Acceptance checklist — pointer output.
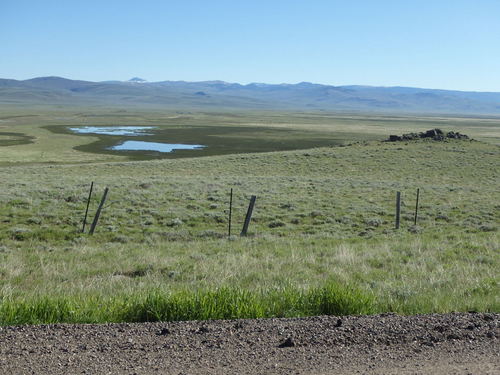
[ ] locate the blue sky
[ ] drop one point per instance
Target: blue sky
(449, 44)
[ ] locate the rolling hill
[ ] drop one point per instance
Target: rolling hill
(219, 94)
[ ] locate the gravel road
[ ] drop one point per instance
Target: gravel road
(461, 343)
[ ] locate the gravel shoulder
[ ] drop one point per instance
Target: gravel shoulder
(459, 343)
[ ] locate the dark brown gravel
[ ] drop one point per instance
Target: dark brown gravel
(465, 343)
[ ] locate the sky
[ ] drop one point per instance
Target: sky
(446, 44)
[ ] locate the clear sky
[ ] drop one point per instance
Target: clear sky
(449, 44)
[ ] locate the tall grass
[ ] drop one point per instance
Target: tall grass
(333, 298)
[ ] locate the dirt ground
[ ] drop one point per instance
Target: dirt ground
(465, 343)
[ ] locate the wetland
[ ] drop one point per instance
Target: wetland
(176, 141)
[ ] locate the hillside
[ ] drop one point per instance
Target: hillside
(218, 94)
(321, 238)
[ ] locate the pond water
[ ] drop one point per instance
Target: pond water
(113, 130)
(131, 131)
(153, 146)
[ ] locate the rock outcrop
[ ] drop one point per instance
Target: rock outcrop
(434, 134)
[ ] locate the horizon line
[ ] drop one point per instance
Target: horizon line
(247, 84)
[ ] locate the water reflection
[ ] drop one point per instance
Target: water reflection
(113, 130)
(153, 146)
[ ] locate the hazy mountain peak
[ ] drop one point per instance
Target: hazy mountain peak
(137, 80)
(47, 79)
(257, 84)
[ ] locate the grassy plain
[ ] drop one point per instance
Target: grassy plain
(322, 237)
(301, 130)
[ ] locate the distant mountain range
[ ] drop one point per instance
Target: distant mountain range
(56, 91)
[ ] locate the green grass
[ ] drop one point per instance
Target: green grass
(219, 303)
(322, 239)
(407, 274)
(13, 139)
(320, 128)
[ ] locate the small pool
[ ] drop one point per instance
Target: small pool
(113, 130)
(134, 131)
(153, 146)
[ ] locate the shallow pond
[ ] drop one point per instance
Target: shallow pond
(153, 146)
(131, 131)
(113, 130)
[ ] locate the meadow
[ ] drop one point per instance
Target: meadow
(322, 237)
